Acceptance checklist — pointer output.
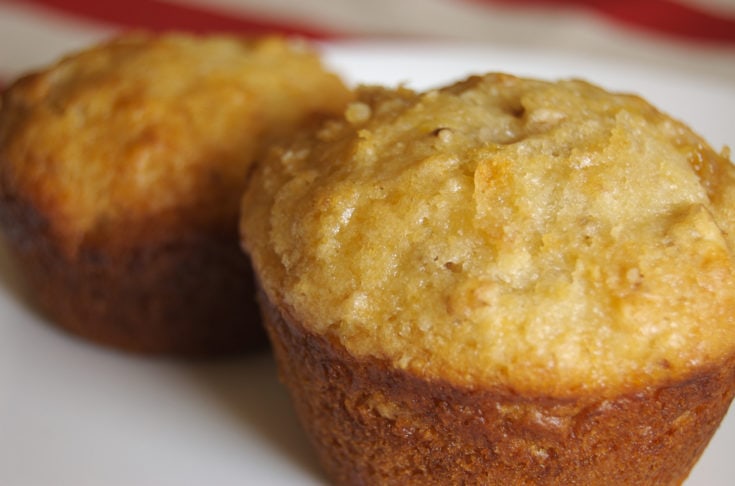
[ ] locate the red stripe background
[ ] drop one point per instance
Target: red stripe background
(157, 15)
(667, 17)
(673, 18)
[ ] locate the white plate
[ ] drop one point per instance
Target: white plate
(74, 414)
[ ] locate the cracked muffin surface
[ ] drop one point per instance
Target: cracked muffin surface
(550, 237)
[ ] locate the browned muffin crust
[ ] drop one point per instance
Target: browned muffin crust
(374, 424)
(501, 281)
(549, 236)
(121, 171)
(186, 296)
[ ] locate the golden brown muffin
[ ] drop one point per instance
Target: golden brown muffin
(505, 281)
(121, 173)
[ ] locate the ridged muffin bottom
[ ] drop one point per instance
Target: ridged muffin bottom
(373, 424)
(183, 294)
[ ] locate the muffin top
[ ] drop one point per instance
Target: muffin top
(146, 125)
(547, 237)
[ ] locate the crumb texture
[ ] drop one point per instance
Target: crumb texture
(122, 167)
(547, 236)
(161, 127)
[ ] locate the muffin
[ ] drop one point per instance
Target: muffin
(502, 281)
(121, 173)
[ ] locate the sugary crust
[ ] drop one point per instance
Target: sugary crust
(549, 236)
(121, 172)
(147, 124)
(374, 424)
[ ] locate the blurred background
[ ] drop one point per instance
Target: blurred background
(692, 35)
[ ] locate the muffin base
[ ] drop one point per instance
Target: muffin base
(374, 424)
(188, 294)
